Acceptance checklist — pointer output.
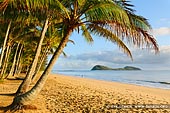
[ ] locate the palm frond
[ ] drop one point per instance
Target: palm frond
(125, 5)
(110, 36)
(107, 11)
(64, 54)
(148, 39)
(81, 3)
(139, 21)
(3, 5)
(134, 35)
(71, 41)
(86, 34)
(63, 8)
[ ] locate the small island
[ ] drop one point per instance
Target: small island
(101, 67)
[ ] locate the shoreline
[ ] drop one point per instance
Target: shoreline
(116, 93)
(122, 84)
(132, 83)
(71, 94)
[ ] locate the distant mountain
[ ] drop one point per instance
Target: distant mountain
(101, 67)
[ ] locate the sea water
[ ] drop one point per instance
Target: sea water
(150, 78)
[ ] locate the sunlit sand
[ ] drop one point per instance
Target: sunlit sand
(73, 94)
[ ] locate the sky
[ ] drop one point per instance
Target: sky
(83, 56)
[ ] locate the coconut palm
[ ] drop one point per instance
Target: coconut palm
(3, 49)
(28, 8)
(5, 62)
(25, 84)
(7, 16)
(4, 44)
(20, 33)
(14, 61)
(104, 18)
(50, 43)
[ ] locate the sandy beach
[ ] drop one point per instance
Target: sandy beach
(66, 94)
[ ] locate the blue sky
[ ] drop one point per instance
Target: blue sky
(84, 56)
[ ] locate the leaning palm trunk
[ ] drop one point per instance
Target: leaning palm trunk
(4, 44)
(31, 95)
(14, 62)
(5, 63)
(17, 67)
(42, 59)
(25, 84)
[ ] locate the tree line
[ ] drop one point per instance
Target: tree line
(30, 30)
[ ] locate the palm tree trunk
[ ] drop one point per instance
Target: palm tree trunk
(19, 69)
(5, 64)
(14, 62)
(18, 61)
(4, 44)
(31, 94)
(25, 84)
(41, 62)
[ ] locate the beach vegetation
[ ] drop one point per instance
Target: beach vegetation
(37, 28)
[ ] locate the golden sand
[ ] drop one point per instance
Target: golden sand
(68, 94)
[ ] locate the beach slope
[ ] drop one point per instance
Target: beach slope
(73, 94)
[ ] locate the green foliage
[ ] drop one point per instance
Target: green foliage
(86, 34)
(114, 20)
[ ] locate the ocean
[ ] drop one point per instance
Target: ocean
(149, 78)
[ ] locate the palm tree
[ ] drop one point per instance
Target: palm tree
(28, 8)
(50, 43)
(5, 62)
(99, 17)
(14, 61)
(25, 84)
(7, 16)
(5, 42)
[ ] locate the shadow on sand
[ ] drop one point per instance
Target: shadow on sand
(8, 94)
(16, 78)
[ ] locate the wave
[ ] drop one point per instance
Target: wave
(159, 82)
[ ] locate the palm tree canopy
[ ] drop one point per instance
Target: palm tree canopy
(113, 20)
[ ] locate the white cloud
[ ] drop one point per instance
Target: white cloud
(162, 31)
(142, 58)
